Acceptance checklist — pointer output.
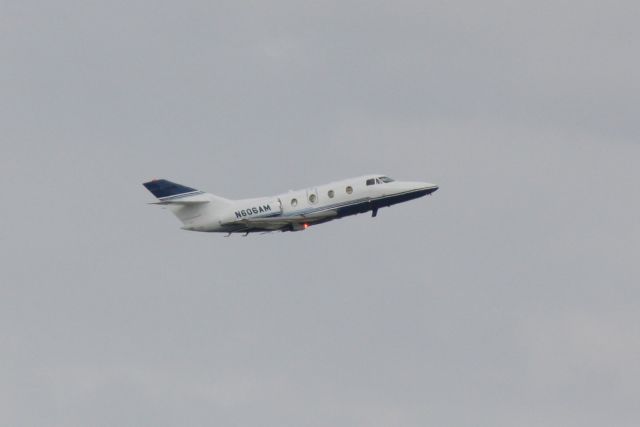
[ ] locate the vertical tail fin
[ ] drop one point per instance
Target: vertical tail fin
(164, 190)
(191, 206)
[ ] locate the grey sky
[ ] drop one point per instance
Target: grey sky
(510, 297)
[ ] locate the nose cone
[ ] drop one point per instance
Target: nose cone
(429, 185)
(430, 188)
(423, 187)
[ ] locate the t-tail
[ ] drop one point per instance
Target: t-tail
(191, 206)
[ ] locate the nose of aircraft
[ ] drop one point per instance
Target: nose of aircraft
(427, 187)
(430, 188)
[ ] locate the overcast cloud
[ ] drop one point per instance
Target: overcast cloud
(509, 297)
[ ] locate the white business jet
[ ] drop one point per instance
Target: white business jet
(292, 211)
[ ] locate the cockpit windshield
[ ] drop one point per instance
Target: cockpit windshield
(385, 179)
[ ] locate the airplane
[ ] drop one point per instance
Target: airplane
(292, 211)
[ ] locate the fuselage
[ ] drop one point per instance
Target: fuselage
(341, 198)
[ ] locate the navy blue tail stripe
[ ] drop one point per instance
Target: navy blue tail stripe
(163, 188)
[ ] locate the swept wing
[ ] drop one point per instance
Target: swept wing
(284, 223)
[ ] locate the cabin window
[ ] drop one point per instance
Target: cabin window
(331, 193)
(378, 181)
(313, 198)
(294, 202)
(349, 189)
(371, 181)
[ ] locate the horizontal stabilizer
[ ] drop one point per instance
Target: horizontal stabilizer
(180, 202)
